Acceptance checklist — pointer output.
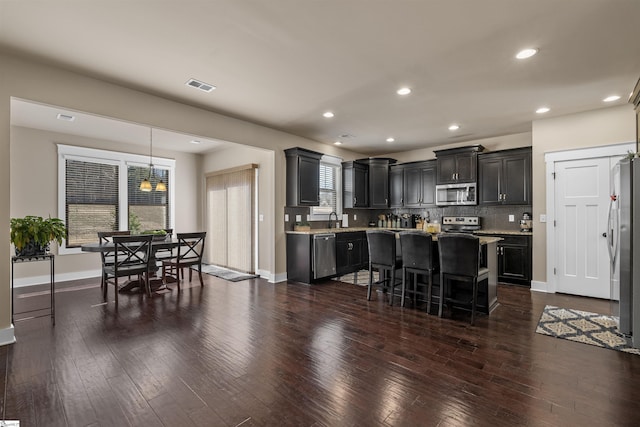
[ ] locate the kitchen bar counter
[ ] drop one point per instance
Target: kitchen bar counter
(483, 239)
(503, 232)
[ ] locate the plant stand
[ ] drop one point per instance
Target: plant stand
(35, 258)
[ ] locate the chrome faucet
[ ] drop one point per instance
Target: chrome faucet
(332, 225)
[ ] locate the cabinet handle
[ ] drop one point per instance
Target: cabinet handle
(504, 196)
(402, 200)
(355, 200)
(386, 201)
(453, 176)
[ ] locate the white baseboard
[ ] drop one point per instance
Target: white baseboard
(7, 336)
(272, 278)
(540, 287)
(64, 277)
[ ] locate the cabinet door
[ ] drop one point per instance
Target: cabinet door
(359, 253)
(308, 181)
(516, 182)
(342, 255)
(361, 186)
(412, 187)
(428, 187)
(466, 165)
(378, 185)
(489, 174)
(396, 190)
(512, 262)
(446, 167)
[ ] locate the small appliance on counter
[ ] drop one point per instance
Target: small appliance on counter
(526, 223)
(407, 221)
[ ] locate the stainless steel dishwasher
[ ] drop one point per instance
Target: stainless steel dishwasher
(324, 255)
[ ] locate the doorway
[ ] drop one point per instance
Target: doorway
(579, 184)
(230, 218)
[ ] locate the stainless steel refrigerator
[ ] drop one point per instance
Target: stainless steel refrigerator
(623, 235)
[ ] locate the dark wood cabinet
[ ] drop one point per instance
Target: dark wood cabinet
(351, 252)
(396, 186)
(514, 259)
(303, 177)
(504, 177)
(457, 165)
(419, 188)
(379, 183)
(300, 257)
(355, 185)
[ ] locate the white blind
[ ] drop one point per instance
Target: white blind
(328, 189)
(147, 210)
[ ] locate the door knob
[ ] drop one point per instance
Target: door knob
(604, 234)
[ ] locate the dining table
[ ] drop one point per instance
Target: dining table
(134, 286)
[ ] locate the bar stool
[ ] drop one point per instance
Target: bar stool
(460, 261)
(383, 256)
(417, 255)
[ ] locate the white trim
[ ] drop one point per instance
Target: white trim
(550, 159)
(123, 160)
(540, 287)
(7, 336)
(272, 278)
(63, 277)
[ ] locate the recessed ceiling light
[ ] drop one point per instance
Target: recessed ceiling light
(543, 110)
(390, 139)
(526, 53)
(454, 127)
(403, 91)
(205, 87)
(66, 117)
(611, 98)
(327, 114)
(194, 141)
(337, 143)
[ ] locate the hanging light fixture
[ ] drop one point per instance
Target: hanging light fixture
(145, 185)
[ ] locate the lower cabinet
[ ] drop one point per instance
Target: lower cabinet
(351, 252)
(514, 259)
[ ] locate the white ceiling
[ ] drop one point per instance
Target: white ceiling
(282, 63)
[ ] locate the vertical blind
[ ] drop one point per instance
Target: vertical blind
(91, 200)
(230, 219)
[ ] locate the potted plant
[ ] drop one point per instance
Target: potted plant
(301, 226)
(31, 235)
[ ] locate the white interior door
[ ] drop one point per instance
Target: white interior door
(582, 202)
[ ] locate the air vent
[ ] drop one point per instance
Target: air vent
(66, 117)
(347, 135)
(205, 87)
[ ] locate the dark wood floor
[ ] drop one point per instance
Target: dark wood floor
(254, 353)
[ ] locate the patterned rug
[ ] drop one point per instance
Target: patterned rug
(225, 273)
(363, 278)
(584, 327)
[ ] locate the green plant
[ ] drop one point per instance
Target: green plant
(155, 232)
(630, 155)
(134, 223)
(36, 231)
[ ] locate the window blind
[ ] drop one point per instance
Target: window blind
(147, 210)
(328, 189)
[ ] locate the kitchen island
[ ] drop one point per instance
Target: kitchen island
(300, 258)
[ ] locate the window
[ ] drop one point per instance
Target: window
(100, 190)
(330, 188)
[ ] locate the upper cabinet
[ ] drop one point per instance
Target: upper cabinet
(303, 177)
(355, 185)
(420, 184)
(457, 165)
(378, 181)
(504, 177)
(396, 186)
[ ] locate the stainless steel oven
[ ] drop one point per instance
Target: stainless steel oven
(456, 194)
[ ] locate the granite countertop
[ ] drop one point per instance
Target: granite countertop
(484, 239)
(504, 232)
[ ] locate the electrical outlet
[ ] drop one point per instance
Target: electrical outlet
(512, 218)
(355, 217)
(261, 217)
(286, 217)
(308, 217)
(543, 217)
(298, 218)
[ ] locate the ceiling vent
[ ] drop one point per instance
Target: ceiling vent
(205, 87)
(66, 117)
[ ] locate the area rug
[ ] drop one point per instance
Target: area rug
(225, 273)
(363, 278)
(584, 327)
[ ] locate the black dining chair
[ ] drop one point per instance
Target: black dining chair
(165, 253)
(383, 257)
(417, 259)
(190, 252)
(132, 256)
(107, 257)
(460, 262)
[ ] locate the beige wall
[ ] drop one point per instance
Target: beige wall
(590, 129)
(37, 193)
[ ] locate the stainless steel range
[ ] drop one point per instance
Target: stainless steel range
(460, 224)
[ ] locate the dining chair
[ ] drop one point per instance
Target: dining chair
(107, 257)
(162, 254)
(417, 254)
(460, 262)
(383, 253)
(132, 256)
(190, 251)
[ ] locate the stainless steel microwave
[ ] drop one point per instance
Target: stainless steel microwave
(456, 194)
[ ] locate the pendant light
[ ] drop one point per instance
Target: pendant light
(145, 185)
